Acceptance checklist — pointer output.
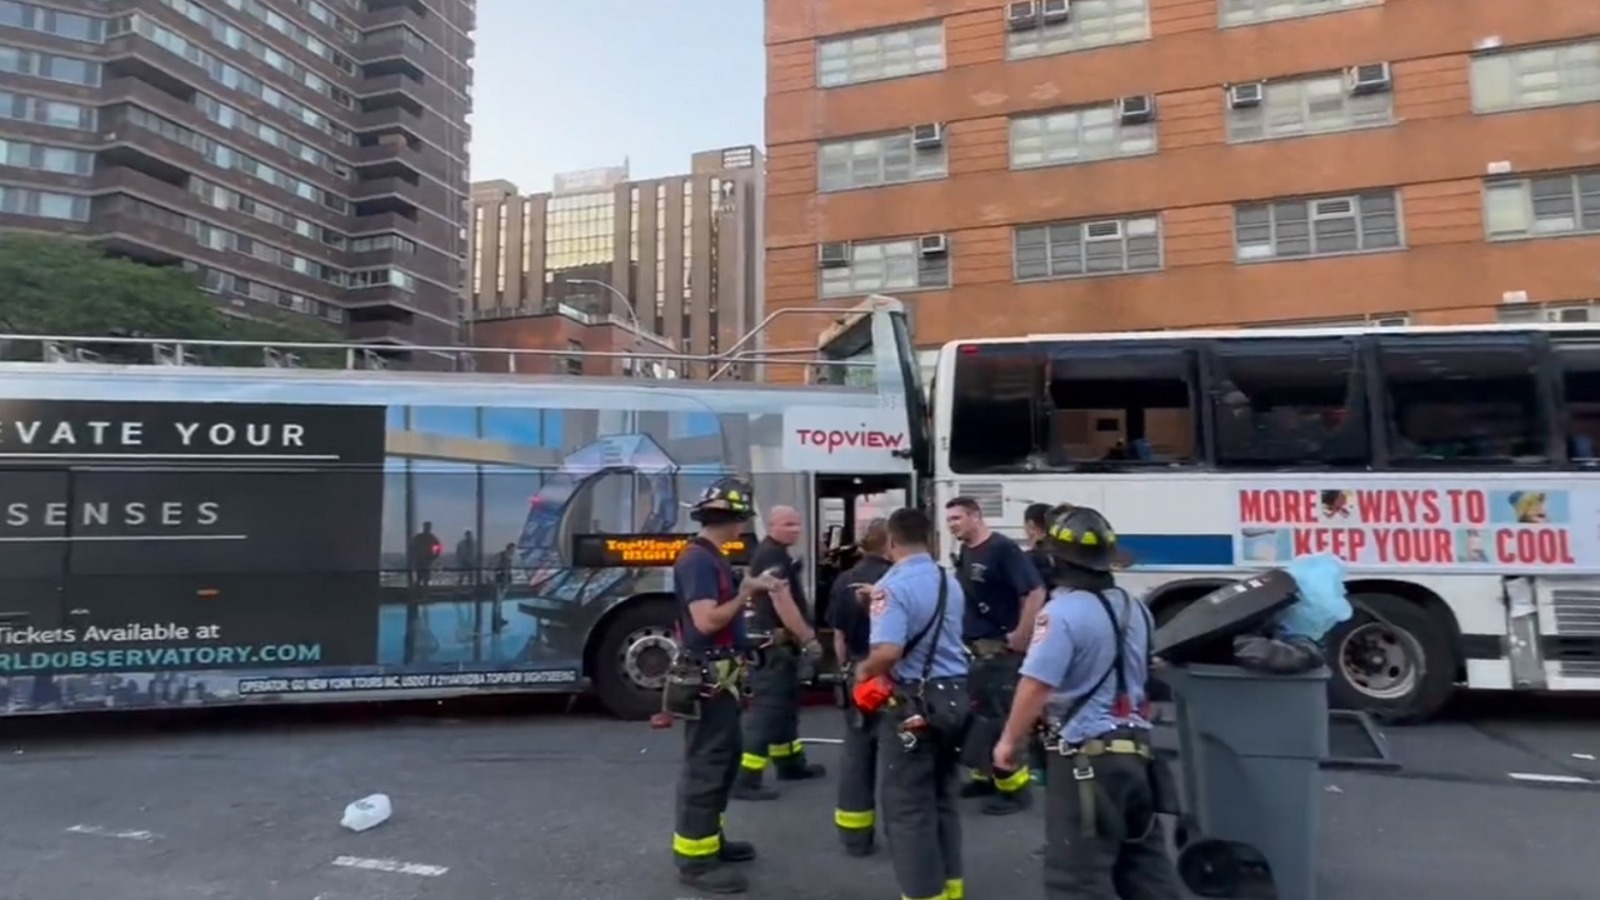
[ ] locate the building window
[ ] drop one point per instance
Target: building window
(886, 266)
(1321, 226)
(1453, 400)
(1318, 104)
(55, 113)
(1247, 12)
(45, 158)
(48, 65)
(1074, 249)
(573, 364)
(875, 161)
(1548, 206)
(853, 59)
(1565, 312)
(1089, 23)
(1077, 136)
(43, 204)
(1540, 76)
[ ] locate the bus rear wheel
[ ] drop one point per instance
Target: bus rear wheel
(1393, 659)
(631, 660)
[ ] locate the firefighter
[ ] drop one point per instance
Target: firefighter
(1035, 522)
(1085, 674)
(854, 815)
(915, 677)
(1004, 595)
(705, 686)
(772, 723)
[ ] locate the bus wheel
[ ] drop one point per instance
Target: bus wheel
(1396, 662)
(631, 660)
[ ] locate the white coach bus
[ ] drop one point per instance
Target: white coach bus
(1454, 469)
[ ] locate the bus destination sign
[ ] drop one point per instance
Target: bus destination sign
(611, 551)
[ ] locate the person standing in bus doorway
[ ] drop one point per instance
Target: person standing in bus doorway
(1085, 674)
(772, 723)
(854, 815)
(1004, 594)
(712, 642)
(916, 612)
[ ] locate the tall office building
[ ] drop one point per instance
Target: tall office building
(1077, 165)
(568, 269)
(303, 157)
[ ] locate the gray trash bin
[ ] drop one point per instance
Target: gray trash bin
(1251, 746)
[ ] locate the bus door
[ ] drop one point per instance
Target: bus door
(844, 504)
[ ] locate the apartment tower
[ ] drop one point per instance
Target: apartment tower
(606, 262)
(1099, 165)
(302, 157)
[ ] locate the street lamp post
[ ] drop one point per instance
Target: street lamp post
(627, 304)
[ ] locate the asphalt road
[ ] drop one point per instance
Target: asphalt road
(574, 807)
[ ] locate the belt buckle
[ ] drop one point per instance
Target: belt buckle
(1082, 773)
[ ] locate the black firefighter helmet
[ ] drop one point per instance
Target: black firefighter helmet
(725, 500)
(1079, 536)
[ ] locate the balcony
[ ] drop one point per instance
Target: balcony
(393, 157)
(134, 56)
(389, 119)
(381, 91)
(387, 331)
(380, 301)
(386, 195)
(122, 233)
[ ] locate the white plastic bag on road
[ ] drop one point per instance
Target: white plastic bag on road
(366, 813)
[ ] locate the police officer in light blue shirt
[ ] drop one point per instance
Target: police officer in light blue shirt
(916, 611)
(1085, 674)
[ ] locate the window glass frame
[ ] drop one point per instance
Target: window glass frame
(1582, 189)
(1023, 238)
(1561, 402)
(1358, 400)
(1293, 211)
(1298, 92)
(1255, 10)
(983, 396)
(922, 163)
(1190, 354)
(888, 265)
(1040, 128)
(1491, 97)
(845, 47)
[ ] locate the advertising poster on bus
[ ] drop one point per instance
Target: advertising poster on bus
(1531, 526)
(171, 553)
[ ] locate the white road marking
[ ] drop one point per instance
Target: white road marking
(399, 867)
(98, 831)
(1550, 779)
(821, 740)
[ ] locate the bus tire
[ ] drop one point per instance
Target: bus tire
(1398, 665)
(631, 658)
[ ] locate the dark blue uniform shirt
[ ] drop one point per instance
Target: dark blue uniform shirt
(847, 614)
(995, 574)
(703, 573)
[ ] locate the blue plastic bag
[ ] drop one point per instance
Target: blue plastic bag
(1322, 604)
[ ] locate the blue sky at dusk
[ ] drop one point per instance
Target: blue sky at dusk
(563, 85)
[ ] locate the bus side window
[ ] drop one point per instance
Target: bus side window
(1122, 402)
(1578, 365)
(993, 401)
(1463, 399)
(1288, 402)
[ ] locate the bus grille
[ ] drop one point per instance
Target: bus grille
(991, 497)
(1577, 610)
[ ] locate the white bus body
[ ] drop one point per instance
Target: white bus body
(1453, 469)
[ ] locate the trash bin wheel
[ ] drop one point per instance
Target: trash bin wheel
(1210, 868)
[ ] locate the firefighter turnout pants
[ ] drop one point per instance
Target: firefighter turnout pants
(772, 723)
(710, 763)
(855, 814)
(921, 821)
(1102, 838)
(992, 681)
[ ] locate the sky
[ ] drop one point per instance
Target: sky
(565, 85)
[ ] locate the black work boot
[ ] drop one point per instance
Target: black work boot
(714, 878)
(865, 847)
(1004, 803)
(978, 787)
(797, 769)
(748, 787)
(736, 851)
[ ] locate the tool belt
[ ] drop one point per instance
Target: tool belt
(984, 648)
(694, 677)
(940, 705)
(1083, 754)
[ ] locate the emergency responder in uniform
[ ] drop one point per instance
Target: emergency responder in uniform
(772, 723)
(1004, 595)
(854, 815)
(1035, 522)
(712, 660)
(916, 611)
(1085, 674)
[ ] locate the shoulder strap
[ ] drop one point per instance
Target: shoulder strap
(937, 623)
(1119, 659)
(916, 639)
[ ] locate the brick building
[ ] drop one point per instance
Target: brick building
(1141, 164)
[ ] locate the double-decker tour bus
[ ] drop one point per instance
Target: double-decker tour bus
(1453, 469)
(173, 533)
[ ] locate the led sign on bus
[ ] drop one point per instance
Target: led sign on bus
(604, 551)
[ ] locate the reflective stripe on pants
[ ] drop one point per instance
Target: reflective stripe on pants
(920, 817)
(858, 779)
(710, 763)
(772, 723)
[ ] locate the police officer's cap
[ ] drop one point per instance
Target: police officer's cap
(1080, 536)
(724, 499)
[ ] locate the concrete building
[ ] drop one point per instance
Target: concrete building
(1064, 166)
(303, 158)
(562, 269)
